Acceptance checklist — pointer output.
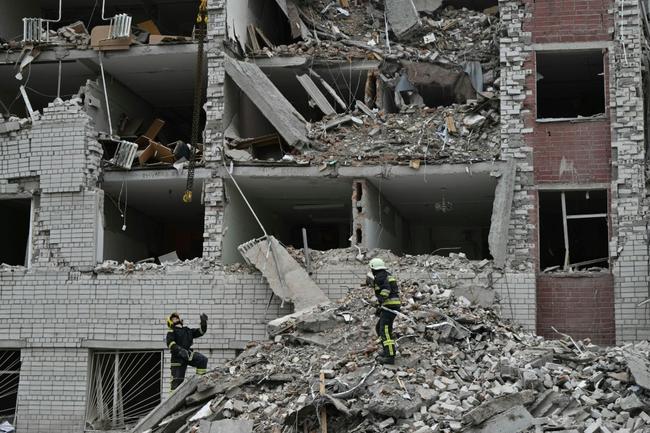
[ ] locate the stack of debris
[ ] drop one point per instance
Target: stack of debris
(460, 368)
(425, 92)
(456, 133)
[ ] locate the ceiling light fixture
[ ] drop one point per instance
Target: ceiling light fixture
(444, 205)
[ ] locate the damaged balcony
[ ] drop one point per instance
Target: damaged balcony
(117, 79)
(146, 220)
(345, 92)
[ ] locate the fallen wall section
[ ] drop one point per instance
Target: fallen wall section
(286, 277)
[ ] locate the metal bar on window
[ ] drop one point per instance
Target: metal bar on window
(585, 216)
(566, 232)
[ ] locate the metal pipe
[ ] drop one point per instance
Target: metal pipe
(58, 87)
(108, 108)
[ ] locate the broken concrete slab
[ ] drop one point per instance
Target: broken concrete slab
(316, 95)
(514, 420)
(498, 405)
(455, 82)
(226, 426)
(500, 220)
(285, 276)
(403, 17)
(631, 402)
(427, 5)
(639, 367)
(268, 99)
(175, 401)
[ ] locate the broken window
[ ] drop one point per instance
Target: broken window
(570, 84)
(123, 387)
(574, 230)
(14, 248)
(147, 220)
(9, 378)
(285, 206)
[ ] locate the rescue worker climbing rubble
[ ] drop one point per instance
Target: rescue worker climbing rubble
(179, 341)
(387, 293)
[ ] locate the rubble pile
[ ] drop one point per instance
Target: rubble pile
(456, 133)
(448, 35)
(460, 367)
(429, 93)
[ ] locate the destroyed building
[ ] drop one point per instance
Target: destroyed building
(510, 135)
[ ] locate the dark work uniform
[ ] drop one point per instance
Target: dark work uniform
(181, 336)
(387, 293)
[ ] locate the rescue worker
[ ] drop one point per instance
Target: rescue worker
(179, 342)
(387, 293)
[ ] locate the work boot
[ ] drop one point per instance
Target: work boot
(385, 359)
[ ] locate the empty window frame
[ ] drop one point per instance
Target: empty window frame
(123, 387)
(570, 84)
(15, 214)
(574, 229)
(9, 378)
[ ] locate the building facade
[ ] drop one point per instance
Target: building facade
(553, 192)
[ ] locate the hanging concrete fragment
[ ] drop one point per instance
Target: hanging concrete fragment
(286, 277)
(268, 99)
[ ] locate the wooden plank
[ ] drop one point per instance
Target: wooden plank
(264, 39)
(329, 89)
(157, 152)
(268, 99)
(315, 93)
(154, 129)
(252, 37)
(584, 216)
(323, 409)
(168, 406)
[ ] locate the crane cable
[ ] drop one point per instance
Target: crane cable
(200, 32)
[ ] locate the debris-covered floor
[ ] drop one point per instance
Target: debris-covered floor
(460, 368)
(429, 95)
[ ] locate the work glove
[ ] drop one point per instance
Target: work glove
(378, 311)
(183, 353)
(204, 317)
(370, 279)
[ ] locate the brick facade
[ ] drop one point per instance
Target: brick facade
(569, 20)
(579, 306)
(572, 152)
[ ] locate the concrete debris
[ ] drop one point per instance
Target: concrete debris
(268, 99)
(489, 376)
(403, 17)
(226, 426)
(415, 133)
(640, 369)
(430, 94)
(285, 276)
(514, 420)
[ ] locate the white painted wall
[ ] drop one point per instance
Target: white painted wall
(383, 225)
